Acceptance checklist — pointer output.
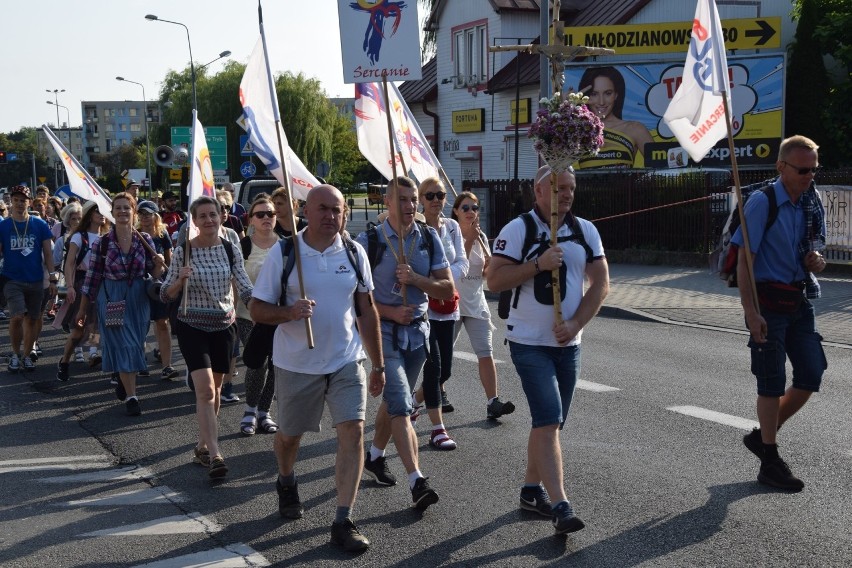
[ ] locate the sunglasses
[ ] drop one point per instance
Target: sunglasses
(432, 195)
(467, 208)
(262, 214)
(804, 171)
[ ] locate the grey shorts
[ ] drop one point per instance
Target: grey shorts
(479, 332)
(301, 397)
(24, 298)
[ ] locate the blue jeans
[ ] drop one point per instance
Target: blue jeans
(548, 377)
(788, 335)
(402, 368)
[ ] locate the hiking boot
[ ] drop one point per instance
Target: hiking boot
(62, 373)
(289, 505)
(28, 364)
(14, 363)
(445, 402)
(564, 519)
(168, 373)
(378, 469)
(228, 393)
(132, 407)
(777, 474)
(347, 536)
(498, 408)
(536, 499)
(422, 494)
(754, 443)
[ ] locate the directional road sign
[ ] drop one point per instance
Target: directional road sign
(217, 143)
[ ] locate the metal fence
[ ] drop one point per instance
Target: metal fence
(633, 209)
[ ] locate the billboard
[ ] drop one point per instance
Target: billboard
(632, 98)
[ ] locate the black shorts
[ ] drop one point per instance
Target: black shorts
(206, 349)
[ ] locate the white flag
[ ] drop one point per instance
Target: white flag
(81, 183)
(696, 114)
(411, 143)
(201, 181)
(372, 128)
(262, 118)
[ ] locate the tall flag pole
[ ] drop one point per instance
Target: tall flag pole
(397, 204)
(258, 97)
(696, 111)
(81, 183)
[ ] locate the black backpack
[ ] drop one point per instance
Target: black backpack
(725, 256)
(81, 252)
(532, 237)
(376, 249)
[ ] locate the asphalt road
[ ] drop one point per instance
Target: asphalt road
(655, 480)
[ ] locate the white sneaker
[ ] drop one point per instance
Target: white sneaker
(78, 355)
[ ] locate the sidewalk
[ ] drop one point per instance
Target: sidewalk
(695, 296)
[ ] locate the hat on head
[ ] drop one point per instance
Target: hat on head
(20, 189)
(132, 181)
(88, 207)
(170, 195)
(147, 207)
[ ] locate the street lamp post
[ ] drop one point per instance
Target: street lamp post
(67, 124)
(154, 18)
(225, 53)
(147, 139)
(56, 103)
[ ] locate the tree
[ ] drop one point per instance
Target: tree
(347, 163)
(23, 143)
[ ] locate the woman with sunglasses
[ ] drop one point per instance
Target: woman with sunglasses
(442, 316)
(475, 316)
(259, 383)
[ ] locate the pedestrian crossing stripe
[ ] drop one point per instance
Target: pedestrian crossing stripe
(148, 496)
(120, 474)
(717, 417)
(231, 556)
(192, 523)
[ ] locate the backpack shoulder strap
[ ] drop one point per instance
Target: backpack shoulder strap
(229, 250)
(352, 253)
(577, 231)
(772, 215)
(288, 261)
(246, 246)
(375, 249)
(530, 235)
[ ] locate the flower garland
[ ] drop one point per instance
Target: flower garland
(565, 131)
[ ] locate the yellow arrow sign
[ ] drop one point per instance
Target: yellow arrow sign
(741, 33)
(41, 179)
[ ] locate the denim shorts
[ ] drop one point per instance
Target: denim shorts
(402, 368)
(548, 377)
(788, 335)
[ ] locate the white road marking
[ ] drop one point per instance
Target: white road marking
(59, 462)
(177, 524)
(718, 417)
(107, 476)
(232, 556)
(150, 495)
(594, 387)
(63, 459)
(467, 356)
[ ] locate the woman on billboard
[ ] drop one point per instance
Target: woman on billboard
(624, 140)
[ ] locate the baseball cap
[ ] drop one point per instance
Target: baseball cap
(147, 206)
(132, 181)
(170, 195)
(20, 189)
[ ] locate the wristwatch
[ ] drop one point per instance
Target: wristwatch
(379, 369)
(53, 277)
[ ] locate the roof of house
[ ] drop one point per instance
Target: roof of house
(424, 89)
(601, 13)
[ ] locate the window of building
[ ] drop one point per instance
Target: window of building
(111, 127)
(132, 112)
(121, 112)
(138, 128)
(470, 54)
(123, 128)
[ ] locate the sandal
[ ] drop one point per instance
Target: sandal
(201, 457)
(440, 440)
(248, 425)
(268, 425)
(218, 469)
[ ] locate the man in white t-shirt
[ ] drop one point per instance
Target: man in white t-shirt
(546, 353)
(333, 371)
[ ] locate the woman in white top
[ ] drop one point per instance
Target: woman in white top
(260, 383)
(86, 235)
(475, 316)
(205, 319)
(442, 315)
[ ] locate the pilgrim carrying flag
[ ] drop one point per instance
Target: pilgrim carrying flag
(696, 113)
(410, 145)
(201, 181)
(262, 118)
(81, 183)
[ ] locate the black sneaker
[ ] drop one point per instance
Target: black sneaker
(120, 393)
(347, 535)
(132, 407)
(564, 519)
(144, 373)
(378, 468)
(498, 408)
(535, 499)
(62, 372)
(754, 443)
(289, 505)
(422, 494)
(777, 474)
(445, 403)
(168, 373)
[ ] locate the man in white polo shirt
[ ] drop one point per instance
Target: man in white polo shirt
(338, 293)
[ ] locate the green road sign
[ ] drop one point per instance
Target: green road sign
(217, 143)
